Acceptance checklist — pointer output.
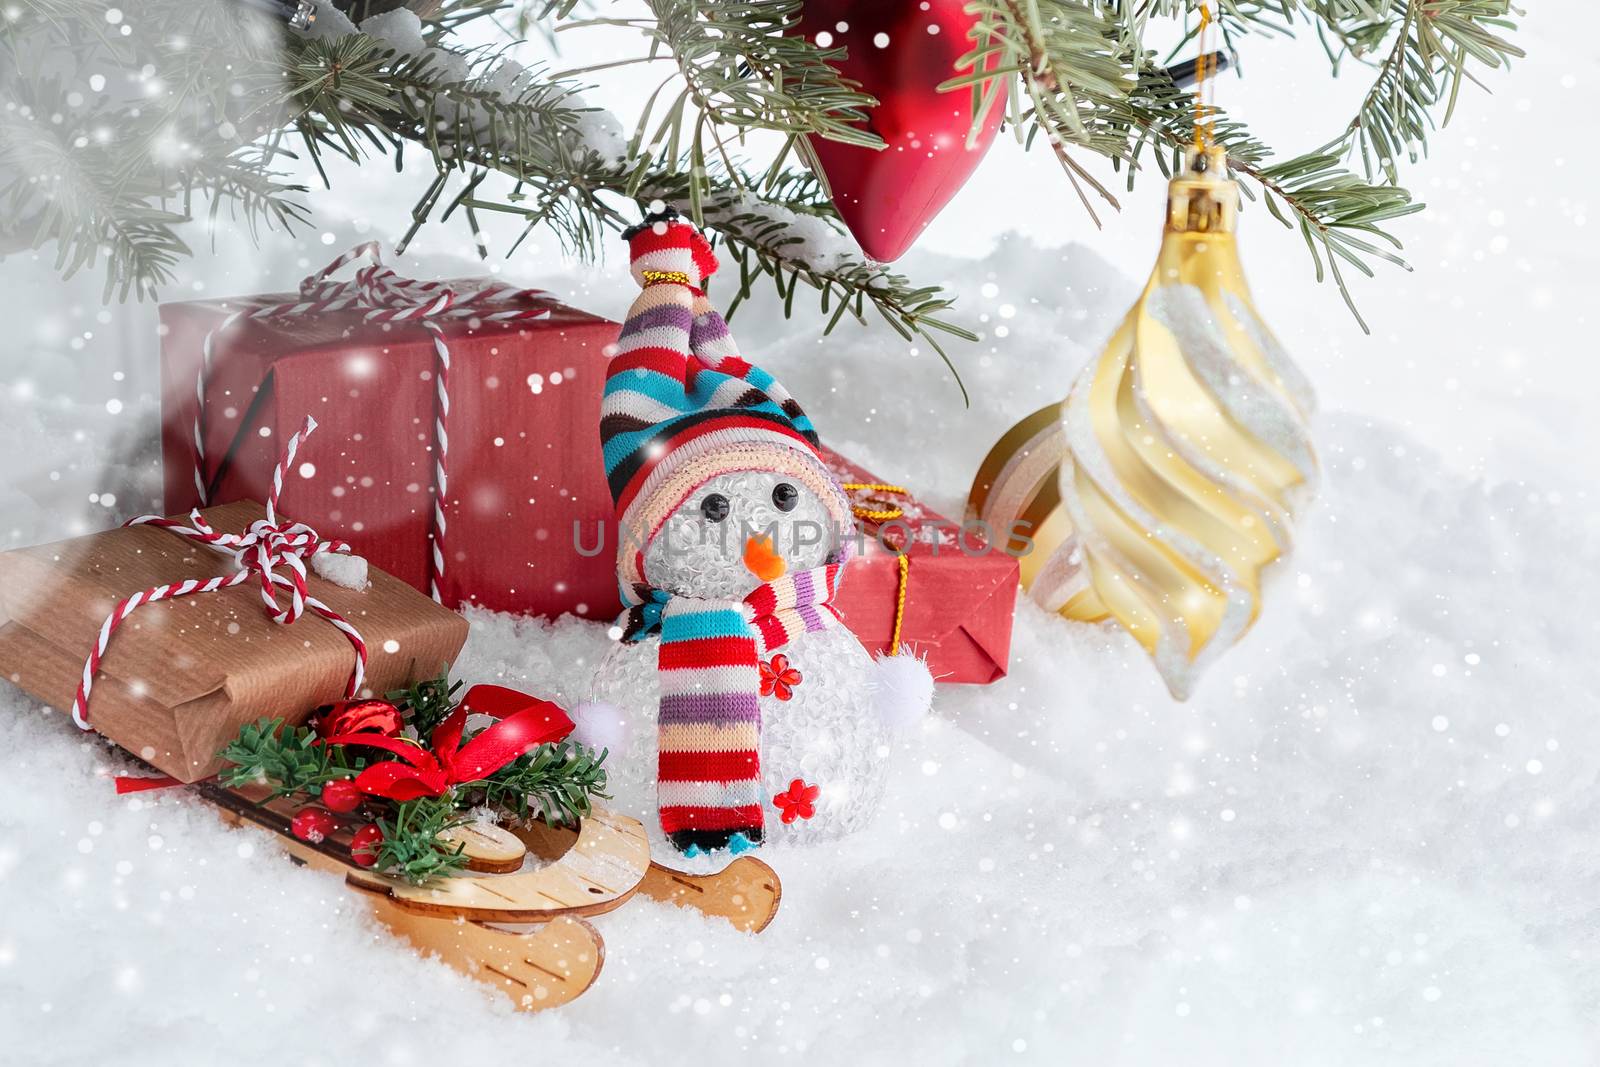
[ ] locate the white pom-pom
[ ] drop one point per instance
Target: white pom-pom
(341, 568)
(600, 726)
(904, 691)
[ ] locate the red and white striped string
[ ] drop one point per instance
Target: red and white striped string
(271, 550)
(387, 297)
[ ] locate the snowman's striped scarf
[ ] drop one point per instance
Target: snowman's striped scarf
(709, 774)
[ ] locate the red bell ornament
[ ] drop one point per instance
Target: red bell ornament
(360, 716)
(901, 51)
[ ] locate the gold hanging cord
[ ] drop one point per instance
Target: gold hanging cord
(1203, 88)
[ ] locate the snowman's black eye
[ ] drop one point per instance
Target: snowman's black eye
(785, 496)
(714, 507)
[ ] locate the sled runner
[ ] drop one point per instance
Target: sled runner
(516, 919)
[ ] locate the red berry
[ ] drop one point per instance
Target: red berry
(364, 845)
(341, 795)
(313, 825)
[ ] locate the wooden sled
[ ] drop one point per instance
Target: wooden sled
(524, 930)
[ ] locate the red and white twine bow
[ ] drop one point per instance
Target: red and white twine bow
(273, 551)
(387, 297)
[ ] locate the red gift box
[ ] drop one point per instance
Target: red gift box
(960, 593)
(524, 466)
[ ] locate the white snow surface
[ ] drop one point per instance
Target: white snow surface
(1368, 838)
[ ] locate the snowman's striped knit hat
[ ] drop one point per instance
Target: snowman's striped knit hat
(674, 414)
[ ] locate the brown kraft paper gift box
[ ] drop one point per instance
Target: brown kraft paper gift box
(181, 676)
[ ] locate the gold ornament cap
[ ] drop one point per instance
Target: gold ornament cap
(1202, 198)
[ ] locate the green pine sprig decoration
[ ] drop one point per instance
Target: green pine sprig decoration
(411, 848)
(288, 759)
(426, 703)
(557, 782)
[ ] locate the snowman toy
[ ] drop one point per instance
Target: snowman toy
(736, 703)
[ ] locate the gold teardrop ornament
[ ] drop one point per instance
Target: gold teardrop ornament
(1173, 472)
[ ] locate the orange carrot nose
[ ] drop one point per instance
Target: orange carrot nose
(763, 560)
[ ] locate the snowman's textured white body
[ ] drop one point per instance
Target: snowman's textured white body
(828, 733)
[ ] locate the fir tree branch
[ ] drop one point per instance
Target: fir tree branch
(760, 236)
(1431, 46)
(114, 169)
(1087, 81)
(1072, 59)
(226, 83)
(356, 97)
(1339, 216)
(741, 68)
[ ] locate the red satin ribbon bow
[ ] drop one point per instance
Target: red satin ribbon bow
(525, 722)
